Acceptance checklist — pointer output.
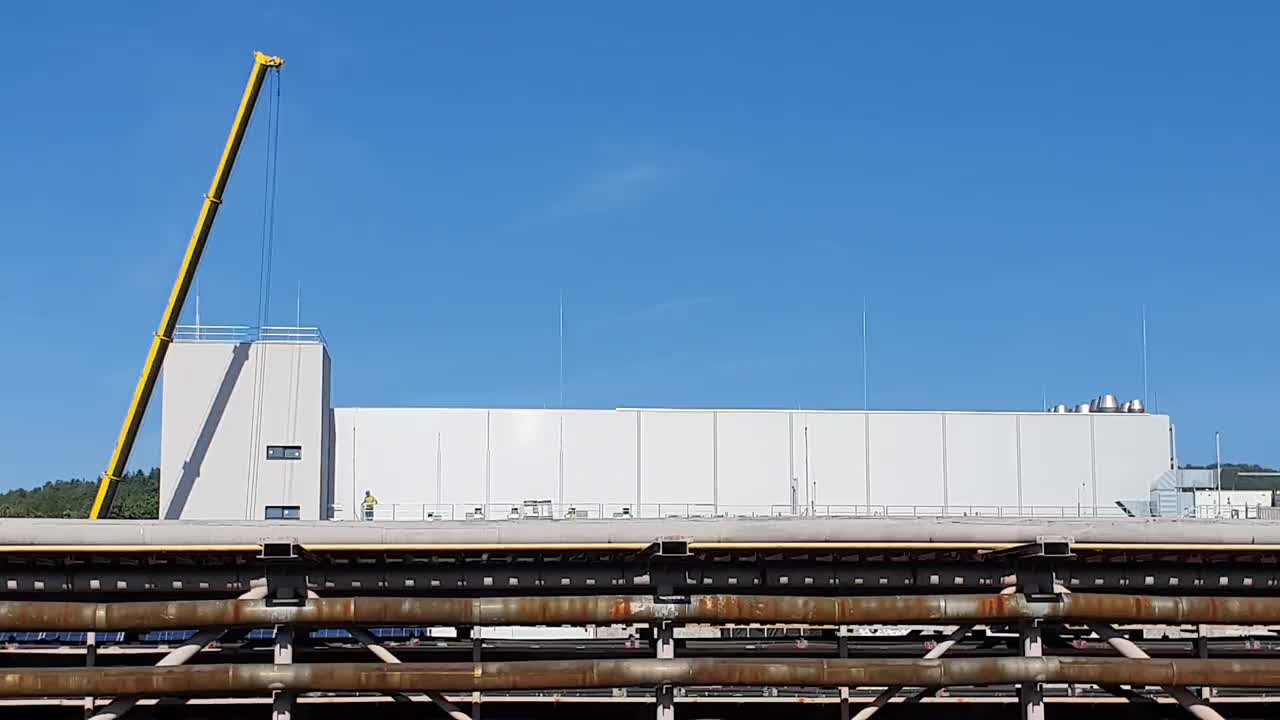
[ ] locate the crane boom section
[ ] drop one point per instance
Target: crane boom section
(262, 64)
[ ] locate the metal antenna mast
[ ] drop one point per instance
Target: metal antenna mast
(1146, 395)
(562, 348)
(864, 353)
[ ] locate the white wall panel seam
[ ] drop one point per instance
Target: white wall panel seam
(866, 452)
(715, 462)
(560, 465)
(945, 488)
(488, 460)
(1093, 461)
(1018, 449)
(639, 462)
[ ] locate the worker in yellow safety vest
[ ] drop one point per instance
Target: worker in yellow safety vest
(369, 503)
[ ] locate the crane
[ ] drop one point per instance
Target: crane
(262, 65)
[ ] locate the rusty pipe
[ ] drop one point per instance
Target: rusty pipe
(604, 610)
(185, 680)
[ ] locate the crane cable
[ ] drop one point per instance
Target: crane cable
(265, 252)
(269, 180)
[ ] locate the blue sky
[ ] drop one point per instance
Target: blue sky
(715, 187)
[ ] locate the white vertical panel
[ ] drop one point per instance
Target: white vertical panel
(1131, 452)
(462, 454)
(982, 460)
(524, 455)
(1056, 464)
(599, 457)
(752, 463)
(344, 421)
(676, 457)
(834, 457)
(391, 457)
(906, 459)
(396, 454)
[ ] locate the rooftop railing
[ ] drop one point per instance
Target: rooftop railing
(248, 334)
(546, 510)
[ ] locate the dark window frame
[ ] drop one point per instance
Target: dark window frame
(284, 452)
(282, 512)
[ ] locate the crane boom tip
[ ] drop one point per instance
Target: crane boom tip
(269, 60)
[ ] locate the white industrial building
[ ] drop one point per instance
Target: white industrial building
(248, 432)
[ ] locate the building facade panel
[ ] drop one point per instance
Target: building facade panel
(245, 426)
(1130, 453)
(829, 457)
(524, 456)
(228, 407)
(677, 462)
(982, 460)
(906, 459)
(600, 459)
(1057, 462)
(752, 456)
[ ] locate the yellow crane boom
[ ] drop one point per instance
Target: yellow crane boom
(262, 64)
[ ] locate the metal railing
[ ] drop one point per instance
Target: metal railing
(247, 333)
(546, 510)
(1237, 512)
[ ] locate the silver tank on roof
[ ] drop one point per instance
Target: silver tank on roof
(1107, 404)
(1059, 409)
(1084, 408)
(1136, 406)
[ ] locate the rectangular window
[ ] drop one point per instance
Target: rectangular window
(284, 452)
(282, 512)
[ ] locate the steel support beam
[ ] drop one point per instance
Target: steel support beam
(366, 638)
(1198, 707)
(936, 652)
(178, 656)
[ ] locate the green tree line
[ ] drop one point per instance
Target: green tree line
(137, 498)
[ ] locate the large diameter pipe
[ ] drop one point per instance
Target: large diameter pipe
(185, 680)
(603, 610)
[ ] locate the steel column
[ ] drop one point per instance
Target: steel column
(282, 700)
(665, 647)
(1031, 691)
(842, 650)
(477, 699)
